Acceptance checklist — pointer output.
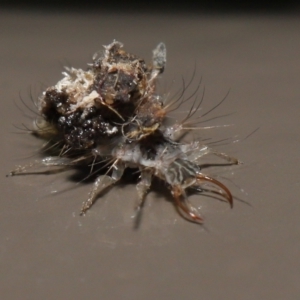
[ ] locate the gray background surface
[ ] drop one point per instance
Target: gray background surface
(47, 251)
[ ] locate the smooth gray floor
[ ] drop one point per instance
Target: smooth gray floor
(47, 251)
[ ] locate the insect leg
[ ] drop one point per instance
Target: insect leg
(143, 186)
(50, 161)
(102, 183)
(204, 150)
(142, 189)
(230, 159)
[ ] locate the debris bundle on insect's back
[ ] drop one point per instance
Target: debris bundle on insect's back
(112, 114)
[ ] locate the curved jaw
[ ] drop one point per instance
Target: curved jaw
(224, 190)
(188, 211)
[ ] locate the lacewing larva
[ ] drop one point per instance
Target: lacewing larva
(111, 116)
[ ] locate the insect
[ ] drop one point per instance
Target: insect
(111, 116)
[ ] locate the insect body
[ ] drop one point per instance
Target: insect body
(111, 114)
